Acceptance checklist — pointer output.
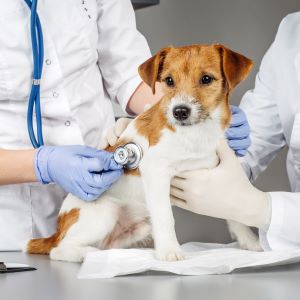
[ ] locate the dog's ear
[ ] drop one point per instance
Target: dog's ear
(236, 67)
(150, 70)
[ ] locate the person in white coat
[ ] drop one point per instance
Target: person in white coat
(92, 53)
(273, 112)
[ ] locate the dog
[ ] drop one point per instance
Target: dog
(179, 133)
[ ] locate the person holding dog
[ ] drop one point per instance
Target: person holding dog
(273, 112)
(91, 59)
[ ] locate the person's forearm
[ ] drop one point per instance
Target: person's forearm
(142, 96)
(17, 166)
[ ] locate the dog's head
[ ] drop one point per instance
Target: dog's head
(197, 80)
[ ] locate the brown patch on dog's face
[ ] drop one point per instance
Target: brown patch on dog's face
(152, 121)
(199, 77)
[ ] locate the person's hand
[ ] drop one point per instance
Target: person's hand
(83, 171)
(238, 132)
(223, 192)
(114, 133)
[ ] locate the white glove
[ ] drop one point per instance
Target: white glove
(114, 133)
(222, 192)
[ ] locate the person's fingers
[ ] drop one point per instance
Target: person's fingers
(239, 132)
(83, 151)
(92, 164)
(178, 183)
(106, 178)
(241, 153)
(95, 180)
(178, 202)
(111, 136)
(79, 191)
(90, 180)
(92, 185)
(81, 194)
(177, 193)
(103, 160)
(234, 109)
(91, 197)
(239, 144)
(238, 118)
(121, 125)
(108, 161)
(87, 153)
(89, 189)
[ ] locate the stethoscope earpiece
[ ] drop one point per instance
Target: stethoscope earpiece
(129, 155)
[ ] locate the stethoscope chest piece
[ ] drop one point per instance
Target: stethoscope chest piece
(128, 155)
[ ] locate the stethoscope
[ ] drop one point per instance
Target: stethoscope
(128, 155)
(38, 58)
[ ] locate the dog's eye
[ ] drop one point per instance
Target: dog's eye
(206, 79)
(169, 81)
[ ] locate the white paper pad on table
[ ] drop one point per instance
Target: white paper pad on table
(200, 259)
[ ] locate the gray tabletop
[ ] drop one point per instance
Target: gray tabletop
(57, 280)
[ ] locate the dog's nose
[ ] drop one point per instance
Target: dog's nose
(181, 112)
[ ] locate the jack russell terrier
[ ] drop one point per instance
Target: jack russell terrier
(179, 133)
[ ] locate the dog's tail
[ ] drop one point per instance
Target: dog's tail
(44, 245)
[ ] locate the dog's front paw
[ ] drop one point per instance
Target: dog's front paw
(169, 254)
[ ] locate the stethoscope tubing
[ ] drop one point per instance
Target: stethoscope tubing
(38, 59)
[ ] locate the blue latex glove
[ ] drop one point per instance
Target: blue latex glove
(83, 171)
(238, 134)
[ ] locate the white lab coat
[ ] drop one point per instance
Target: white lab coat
(273, 111)
(92, 52)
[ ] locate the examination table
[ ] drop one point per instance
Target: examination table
(57, 281)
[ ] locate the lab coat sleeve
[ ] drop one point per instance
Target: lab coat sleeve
(262, 113)
(121, 48)
(284, 229)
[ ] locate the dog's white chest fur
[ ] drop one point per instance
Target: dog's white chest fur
(188, 148)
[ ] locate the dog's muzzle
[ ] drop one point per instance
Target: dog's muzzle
(184, 110)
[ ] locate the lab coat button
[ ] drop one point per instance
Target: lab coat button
(55, 94)
(68, 123)
(48, 62)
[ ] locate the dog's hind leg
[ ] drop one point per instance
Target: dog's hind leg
(95, 222)
(131, 236)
